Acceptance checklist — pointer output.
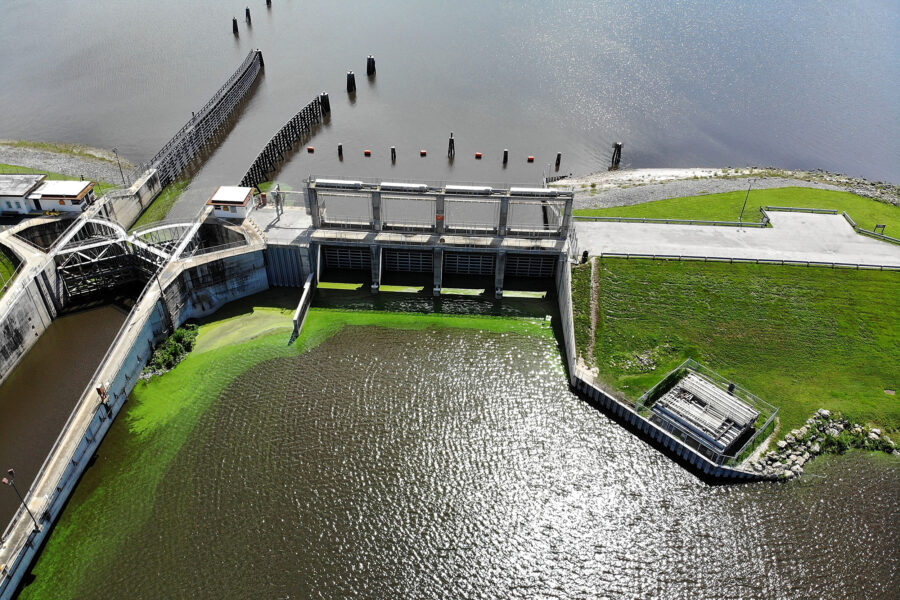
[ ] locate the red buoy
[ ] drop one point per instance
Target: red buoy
(310, 149)
(530, 159)
(367, 152)
(478, 155)
(423, 153)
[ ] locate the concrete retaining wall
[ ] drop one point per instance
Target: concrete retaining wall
(36, 303)
(287, 266)
(661, 438)
(125, 207)
(564, 299)
(152, 332)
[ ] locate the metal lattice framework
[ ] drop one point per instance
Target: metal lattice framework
(102, 255)
(272, 154)
(201, 129)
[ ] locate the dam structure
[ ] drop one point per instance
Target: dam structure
(369, 230)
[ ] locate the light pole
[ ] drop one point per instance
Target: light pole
(118, 162)
(747, 197)
(10, 480)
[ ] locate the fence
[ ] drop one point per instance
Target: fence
(197, 133)
(272, 154)
(767, 412)
(758, 261)
(763, 224)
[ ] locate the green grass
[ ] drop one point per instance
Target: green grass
(7, 268)
(160, 207)
(800, 338)
(581, 306)
(116, 497)
(727, 207)
(102, 186)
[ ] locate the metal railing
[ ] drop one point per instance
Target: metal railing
(763, 224)
(767, 412)
(758, 261)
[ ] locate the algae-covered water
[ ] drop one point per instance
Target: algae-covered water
(391, 455)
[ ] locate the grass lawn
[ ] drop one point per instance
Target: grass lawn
(800, 338)
(160, 207)
(102, 186)
(727, 207)
(7, 268)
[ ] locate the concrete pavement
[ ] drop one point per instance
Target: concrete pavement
(793, 236)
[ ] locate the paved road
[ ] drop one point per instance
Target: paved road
(793, 236)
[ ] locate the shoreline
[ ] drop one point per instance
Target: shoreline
(73, 160)
(636, 186)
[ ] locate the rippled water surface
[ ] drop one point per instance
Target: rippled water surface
(808, 84)
(458, 464)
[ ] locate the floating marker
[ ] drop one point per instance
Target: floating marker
(367, 152)
(505, 156)
(310, 149)
(530, 159)
(423, 152)
(351, 82)
(393, 154)
(478, 155)
(341, 151)
(234, 28)
(370, 66)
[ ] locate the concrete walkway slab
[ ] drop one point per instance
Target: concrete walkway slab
(793, 236)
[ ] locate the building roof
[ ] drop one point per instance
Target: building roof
(701, 407)
(19, 185)
(55, 188)
(232, 195)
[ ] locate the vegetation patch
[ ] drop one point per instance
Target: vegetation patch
(173, 350)
(116, 497)
(800, 338)
(160, 207)
(8, 266)
(727, 207)
(581, 306)
(78, 150)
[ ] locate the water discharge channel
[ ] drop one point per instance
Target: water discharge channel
(400, 459)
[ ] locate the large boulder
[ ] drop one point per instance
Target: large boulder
(825, 414)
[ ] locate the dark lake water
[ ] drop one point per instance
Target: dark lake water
(809, 84)
(41, 392)
(457, 464)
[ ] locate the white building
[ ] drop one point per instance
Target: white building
(64, 196)
(14, 191)
(231, 202)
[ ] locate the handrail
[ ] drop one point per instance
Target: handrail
(671, 221)
(761, 261)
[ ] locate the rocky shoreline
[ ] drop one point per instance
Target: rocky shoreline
(93, 163)
(636, 186)
(822, 434)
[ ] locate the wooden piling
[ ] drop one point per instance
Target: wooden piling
(351, 82)
(325, 103)
(558, 160)
(234, 27)
(393, 154)
(340, 152)
(247, 14)
(370, 66)
(617, 156)
(451, 147)
(505, 156)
